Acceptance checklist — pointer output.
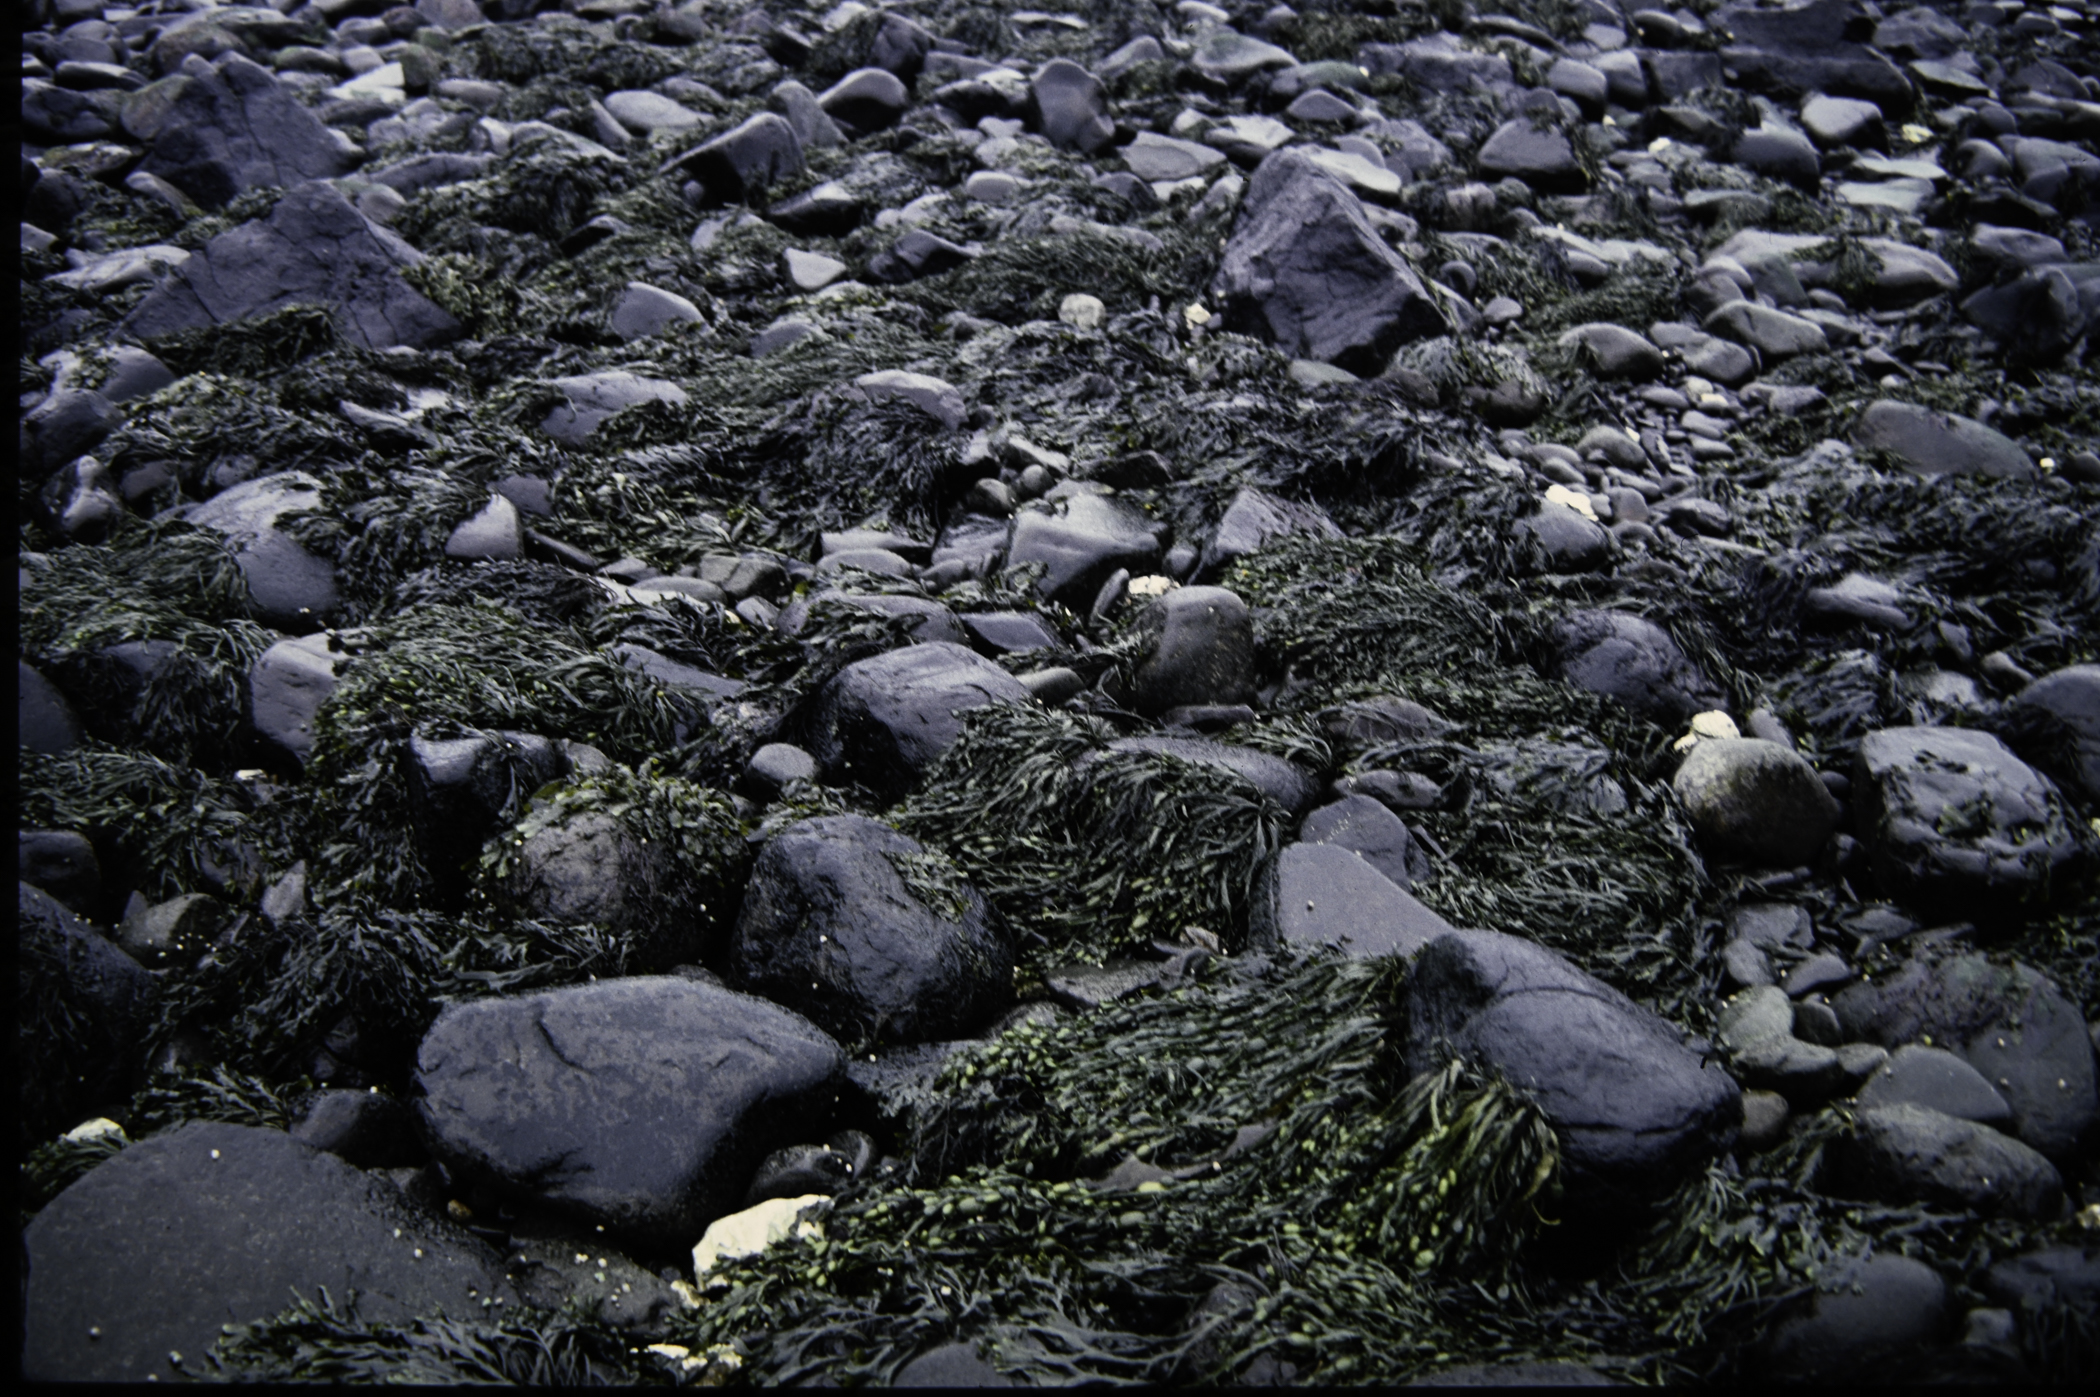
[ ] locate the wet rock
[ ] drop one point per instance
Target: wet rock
(1078, 543)
(1756, 800)
(234, 127)
(1952, 814)
(1327, 895)
(1634, 661)
(742, 163)
(1936, 1079)
(1613, 351)
(798, 1172)
(1565, 541)
(1938, 443)
(650, 310)
(858, 928)
(149, 1254)
(864, 101)
(1844, 121)
(1368, 828)
(1806, 48)
(1908, 1153)
(1254, 519)
(1757, 1029)
(938, 400)
(90, 1051)
(45, 722)
(880, 722)
(290, 588)
(66, 423)
(1779, 153)
(2036, 318)
(1874, 1312)
(364, 1128)
(557, 1098)
(1201, 650)
(172, 934)
(313, 249)
(776, 766)
(1305, 270)
(1772, 333)
(951, 1365)
(61, 863)
(2056, 725)
(1634, 1107)
(1274, 777)
(1541, 156)
(494, 533)
(1069, 106)
(595, 398)
(1160, 159)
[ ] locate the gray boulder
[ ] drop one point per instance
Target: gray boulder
(2008, 1022)
(1805, 48)
(1254, 519)
(1756, 800)
(1327, 895)
(1913, 1154)
(462, 788)
(641, 1104)
(1305, 270)
(1925, 442)
(866, 100)
(2055, 723)
(1199, 650)
(289, 588)
(594, 398)
(1951, 814)
(132, 1271)
(1635, 661)
(857, 927)
(62, 863)
(1562, 541)
(1635, 1108)
(744, 162)
(1938, 1080)
(313, 249)
(1867, 1315)
(1069, 106)
(1541, 156)
(880, 722)
(1771, 332)
(233, 127)
(1613, 351)
(1079, 542)
(1368, 828)
(44, 721)
(68, 422)
(83, 1009)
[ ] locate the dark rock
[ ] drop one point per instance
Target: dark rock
(829, 210)
(1069, 106)
(1756, 800)
(859, 928)
(935, 397)
(1634, 661)
(287, 685)
(813, 127)
(1781, 154)
(593, 399)
(915, 254)
(1952, 815)
(1564, 541)
(797, 1171)
(462, 788)
(934, 622)
(1938, 1080)
(1757, 1029)
(1913, 1154)
(80, 502)
(150, 1253)
(880, 722)
(2055, 723)
(290, 588)
(1386, 718)
(172, 934)
(82, 1011)
(774, 767)
(1613, 351)
(2010, 1023)
(1925, 442)
(742, 163)
(313, 249)
(1305, 270)
(1008, 632)
(1199, 649)
(1368, 828)
(44, 721)
(2036, 318)
(951, 1365)
(1809, 48)
(1276, 778)
(66, 423)
(558, 1098)
(1079, 542)
(1634, 1107)
(1327, 895)
(364, 1128)
(1541, 156)
(1876, 1311)
(61, 863)
(233, 127)
(864, 101)
(1255, 519)
(2047, 1277)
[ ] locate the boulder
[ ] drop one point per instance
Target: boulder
(313, 249)
(234, 127)
(44, 721)
(1274, 777)
(1806, 48)
(1925, 442)
(880, 722)
(561, 1098)
(462, 788)
(1368, 828)
(1844, 121)
(68, 422)
(1306, 270)
(1914, 1154)
(83, 1008)
(289, 588)
(2055, 723)
(742, 163)
(1864, 1317)
(134, 1269)
(61, 863)
(1069, 106)
(1613, 351)
(1562, 541)
(1541, 156)
(1164, 159)
(938, 399)
(1199, 649)
(866, 100)
(1635, 1108)
(1635, 661)
(365, 1128)
(1328, 895)
(1951, 815)
(1771, 332)
(595, 398)
(646, 310)
(495, 533)
(2009, 1022)
(1779, 153)
(1254, 519)
(1938, 1080)
(1756, 800)
(858, 928)
(1080, 542)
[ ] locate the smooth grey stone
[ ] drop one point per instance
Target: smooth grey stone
(494, 533)
(744, 162)
(1635, 661)
(951, 1365)
(1772, 333)
(2055, 723)
(1328, 895)
(1745, 964)
(1542, 157)
(287, 685)
(1368, 828)
(1937, 443)
(1884, 1308)
(646, 310)
(64, 962)
(865, 100)
(775, 766)
(1008, 632)
(1200, 650)
(290, 588)
(1821, 971)
(1273, 776)
(1765, 1116)
(1939, 1080)
(1070, 107)
(812, 126)
(61, 863)
(1565, 541)
(1913, 1154)
(1613, 351)
(364, 1128)
(1255, 519)
(646, 113)
(1156, 158)
(881, 722)
(1079, 542)
(45, 721)
(936, 398)
(1779, 153)
(1844, 121)
(594, 398)
(1756, 800)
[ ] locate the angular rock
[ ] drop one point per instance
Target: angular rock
(1805, 48)
(1079, 542)
(290, 589)
(68, 422)
(1069, 106)
(233, 127)
(938, 400)
(1925, 442)
(1368, 828)
(864, 101)
(646, 310)
(1305, 270)
(2055, 723)
(1541, 156)
(1634, 661)
(149, 1254)
(1327, 895)
(593, 398)
(1913, 1154)
(561, 1098)
(1163, 159)
(44, 721)
(1613, 351)
(1273, 776)
(1780, 154)
(851, 924)
(1200, 650)
(1255, 519)
(1756, 800)
(86, 1053)
(495, 533)
(881, 722)
(742, 163)
(313, 249)
(1772, 333)
(1634, 1108)
(1951, 815)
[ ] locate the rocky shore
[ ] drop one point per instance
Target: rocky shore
(942, 694)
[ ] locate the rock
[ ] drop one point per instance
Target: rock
(289, 588)
(755, 1228)
(799, 1171)
(1079, 542)
(1756, 800)
(1232, 57)
(313, 249)
(2055, 723)
(495, 533)
(938, 400)
(646, 310)
(1368, 828)
(462, 788)
(1634, 661)
(2036, 318)
(1305, 270)
(850, 923)
(557, 1098)
(866, 100)
(2046, 1277)
(1939, 1081)
(172, 934)
(1803, 48)
(1779, 153)
(1745, 964)
(233, 127)
(776, 766)
(2008, 1022)
(1438, 64)
(1951, 815)
(1869, 1314)
(86, 1049)
(646, 113)
(1274, 777)
(1913, 1154)
(1069, 106)
(1164, 159)
(1200, 650)
(44, 722)
(1634, 1108)
(881, 722)
(67, 423)
(1253, 520)
(1844, 121)
(1856, 598)
(1772, 333)
(742, 163)
(1541, 156)
(951, 1365)
(595, 398)
(1586, 86)
(61, 863)
(1757, 1028)
(1612, 351)
(1936, 443)
(805, 115)
(1765, 1114)
(149, 1254)
(363, 1128)
(1901, 274)
(1327, 895)
(1565, 541)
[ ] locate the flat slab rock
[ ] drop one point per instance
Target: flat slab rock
(148, 1254)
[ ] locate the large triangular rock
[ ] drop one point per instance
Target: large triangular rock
(234, 128)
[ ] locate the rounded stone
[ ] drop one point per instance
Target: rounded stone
(1756, 800)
